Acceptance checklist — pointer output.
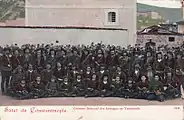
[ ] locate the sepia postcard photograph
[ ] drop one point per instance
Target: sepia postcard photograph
(92, 53)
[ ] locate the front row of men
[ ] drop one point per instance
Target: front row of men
(94, 87)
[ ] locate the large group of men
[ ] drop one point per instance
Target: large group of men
(96, 70)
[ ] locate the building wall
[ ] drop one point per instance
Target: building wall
(83, 3)
(160, 40)
(2, 24)
(17, 22)
(181, 29)
(91, 13)
(64, 36)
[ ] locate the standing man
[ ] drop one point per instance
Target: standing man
(180, 76)
(16, 59)
(6, 70)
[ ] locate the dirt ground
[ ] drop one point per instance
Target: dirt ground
(7, 101)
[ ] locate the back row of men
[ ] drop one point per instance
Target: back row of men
(96, 70)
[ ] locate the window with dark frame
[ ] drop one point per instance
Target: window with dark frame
(112, 17)
(171, 39)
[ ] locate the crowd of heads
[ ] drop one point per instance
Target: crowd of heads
(33, 71)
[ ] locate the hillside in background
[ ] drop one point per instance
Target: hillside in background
(167, 14)
(143, 22)
(171, 14)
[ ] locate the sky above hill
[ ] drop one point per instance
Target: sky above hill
(162, 3)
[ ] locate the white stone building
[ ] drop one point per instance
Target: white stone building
(155, 15)
(118, 14)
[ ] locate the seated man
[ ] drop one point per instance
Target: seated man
(22, 91)
(78, 89)
(38, 88)
(17, 76)
(142, 88)
(59, 72)
(156, 90)
(13, 86)
(65, 87)
(52, 88)
(92, 87)
(129, 90)
(172, 89)
(105, 87)
(117, 86)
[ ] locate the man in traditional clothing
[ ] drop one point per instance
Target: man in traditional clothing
(130, 90)
(46, 74)
(59, 72)
(172, 87)
(159, 64)
(112, 59)
(99, 59)
(156, 89)
(136, 72)
(79, 88)
(30, 74)
(6, 70)
(87, 74)
(142, 87)
(52, 88)
(170, 61)
(66, 87)
(125, 61)
(92, 86)
(150, 45)
(38, 88)
(16, 59)
(105, 86)
(22, 91)
(117, 86)
(39, 61)
(27, 58)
